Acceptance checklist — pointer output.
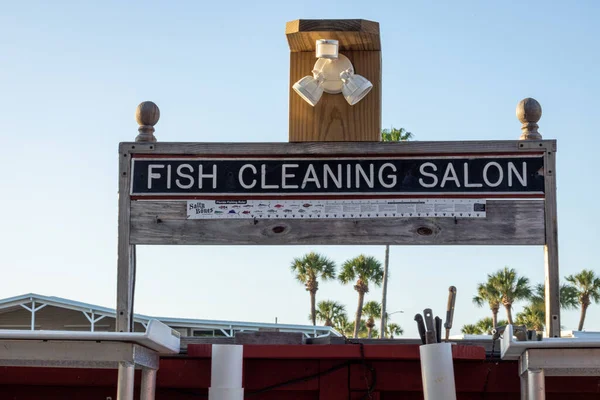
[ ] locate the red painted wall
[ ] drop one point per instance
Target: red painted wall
(397, 369)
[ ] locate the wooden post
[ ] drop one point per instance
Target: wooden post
(147, 115)
(529, 113)
(332, 118)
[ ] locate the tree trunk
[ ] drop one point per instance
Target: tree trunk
(582, 317)
(313, 308)
(384, 295)
(509, 313)
(361, 298)
(494, 318)
(370, 333)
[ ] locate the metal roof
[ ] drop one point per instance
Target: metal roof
(173, 322)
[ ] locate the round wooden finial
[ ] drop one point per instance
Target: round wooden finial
(147, 115)
(529, 112)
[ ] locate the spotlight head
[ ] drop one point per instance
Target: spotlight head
(327, 48)
(310, 88)
(355, 87)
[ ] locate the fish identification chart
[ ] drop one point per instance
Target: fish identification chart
(338, 208)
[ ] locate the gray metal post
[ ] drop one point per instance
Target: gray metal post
(536, 387)
(524, 387)
(148, 388)
(125, 381)
(523, 378)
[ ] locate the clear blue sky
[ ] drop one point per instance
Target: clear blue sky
(72, 73)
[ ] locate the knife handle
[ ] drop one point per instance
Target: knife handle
(438, 330)
(420, 327)
(450, 307)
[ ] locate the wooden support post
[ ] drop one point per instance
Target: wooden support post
(529, 113)
(332, 118)
(147, 115)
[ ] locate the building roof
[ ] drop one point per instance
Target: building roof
(224, 326)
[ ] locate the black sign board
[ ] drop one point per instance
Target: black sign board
(339, 176)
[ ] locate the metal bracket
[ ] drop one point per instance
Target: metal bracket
(542, 145)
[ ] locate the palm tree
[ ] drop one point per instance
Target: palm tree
(343, 326)
(372, 310)
(484, 326)
(470, 329)
(487, 293)
(532, 318)
(363, 269)
(394, 330)
(567, 293)
(395, 135)
(329, 311)
(587, 286)
(389, 135)
(308, 269)
(511, 287)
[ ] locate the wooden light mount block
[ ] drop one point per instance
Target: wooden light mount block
(333, 119)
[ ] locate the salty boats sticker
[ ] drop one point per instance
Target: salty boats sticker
(335, 208)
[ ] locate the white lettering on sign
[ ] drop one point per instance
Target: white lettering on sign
(428, 174)
(285, 175)
(241, 176)
(381, 176)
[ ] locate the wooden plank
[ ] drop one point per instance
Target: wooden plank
(552, 278)
(509, 222)
(352, 34)
(125, 251)
(333, 119)
(339, 148)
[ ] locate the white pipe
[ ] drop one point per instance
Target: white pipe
(437, 371)
(33, 315)
(226, 373)
(536, 387)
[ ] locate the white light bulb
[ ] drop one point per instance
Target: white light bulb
(355, 88)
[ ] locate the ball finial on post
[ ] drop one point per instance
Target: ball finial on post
(529, 112)
(147, 115)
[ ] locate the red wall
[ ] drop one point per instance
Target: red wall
(397, 369)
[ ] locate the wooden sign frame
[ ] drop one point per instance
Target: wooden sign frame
(509, 221)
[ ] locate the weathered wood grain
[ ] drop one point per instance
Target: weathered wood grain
(125, 251)
(339, 148)
(508, 222)
(352, 34)
(552, 280)
(332, 119)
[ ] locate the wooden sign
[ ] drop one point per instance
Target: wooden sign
(349, 176)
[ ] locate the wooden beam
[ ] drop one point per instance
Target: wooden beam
(509, 222)
(333, 119)
(552, 277)
(340, 148)
(125, 250)
(353, 34)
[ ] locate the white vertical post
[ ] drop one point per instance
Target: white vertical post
(125, 381)
(93, 321)
(148, 387)
(226, 373)
(33, 315)
(536, 385)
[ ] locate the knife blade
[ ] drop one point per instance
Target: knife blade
(450, 310)
(420, 327)
(429, 327)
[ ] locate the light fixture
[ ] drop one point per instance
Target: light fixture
(333, 73)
